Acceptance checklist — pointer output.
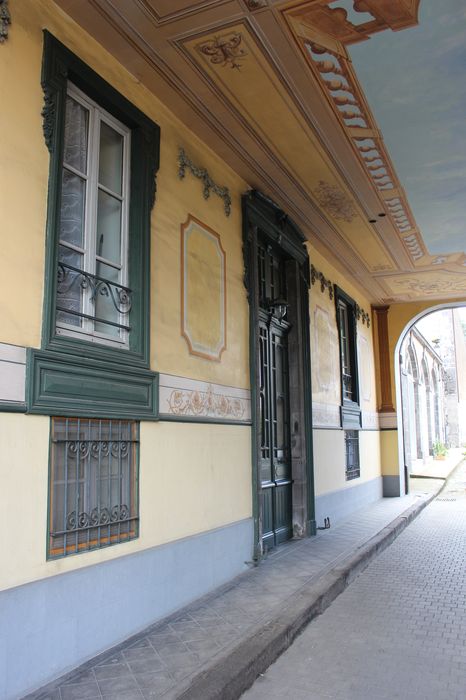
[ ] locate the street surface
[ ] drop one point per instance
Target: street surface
(399, 630)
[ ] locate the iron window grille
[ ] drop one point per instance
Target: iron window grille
(93, 484)
(352, 466)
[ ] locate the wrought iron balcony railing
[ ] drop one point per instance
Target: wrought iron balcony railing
(69, 276)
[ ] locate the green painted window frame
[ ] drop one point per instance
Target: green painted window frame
(72, 376)
(350, 410)
(60, 65)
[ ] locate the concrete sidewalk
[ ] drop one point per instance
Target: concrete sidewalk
(398, 632)
(440, 468)
(216, 647)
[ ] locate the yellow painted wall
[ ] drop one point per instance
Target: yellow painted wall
(23, 189)
(23, 183)
(369, 454)
(329, 456)
(329, 447)
(325, 356)
(193, 478)
(389, 452)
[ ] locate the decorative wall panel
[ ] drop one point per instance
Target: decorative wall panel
(203, 290)
(365, 368)
(325, 354)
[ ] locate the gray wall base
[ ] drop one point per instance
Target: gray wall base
(50, 626)
(391, 486)
(338, 505)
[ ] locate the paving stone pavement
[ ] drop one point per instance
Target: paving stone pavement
(159, 662)
(398, 630)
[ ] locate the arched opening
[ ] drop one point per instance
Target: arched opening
(430, 393)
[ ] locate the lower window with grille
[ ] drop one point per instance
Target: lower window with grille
(353, 470)
(93, 484)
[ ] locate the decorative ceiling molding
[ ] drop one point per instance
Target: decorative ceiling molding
(225, 50)
(185, 163)
(5, 20)
(347, 29)
(255, 4)
(338, 81)
(167, 12)
(440, 284)
(335, 202)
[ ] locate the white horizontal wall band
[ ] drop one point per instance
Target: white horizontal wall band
(192, 398)
(370, 420)
(325, 415)
(12, 373)
(388, 421)
(328, 416)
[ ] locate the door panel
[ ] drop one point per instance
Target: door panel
(275, 453)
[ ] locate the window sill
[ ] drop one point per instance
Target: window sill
(350, 415)
(72, 385)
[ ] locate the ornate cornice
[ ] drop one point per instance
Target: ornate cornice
(185, 163)
(5, 20)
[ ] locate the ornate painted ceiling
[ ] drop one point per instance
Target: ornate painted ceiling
(272, 88)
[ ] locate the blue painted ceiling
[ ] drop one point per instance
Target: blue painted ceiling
(415, 82)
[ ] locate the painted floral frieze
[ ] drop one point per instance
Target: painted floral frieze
(205, 403)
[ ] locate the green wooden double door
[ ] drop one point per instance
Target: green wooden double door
(274, 412)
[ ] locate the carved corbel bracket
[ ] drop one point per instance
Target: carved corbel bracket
(184, 163)
(5, 20)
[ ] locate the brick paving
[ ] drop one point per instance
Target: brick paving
(399, 630)
(159, 662)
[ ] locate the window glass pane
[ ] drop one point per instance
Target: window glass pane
(92, 225)
(76, 135)
(108, 241)
(69, 286)
(107, 300)
(73, 198)
(110, 158)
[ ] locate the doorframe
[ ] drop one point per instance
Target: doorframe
(262, 214)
